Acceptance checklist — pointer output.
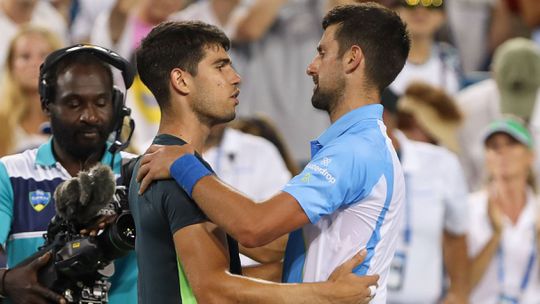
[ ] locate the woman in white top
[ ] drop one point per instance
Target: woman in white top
(503, 236)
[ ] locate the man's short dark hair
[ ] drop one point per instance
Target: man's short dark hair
(175, 45)
(379, 32)
(85, 59)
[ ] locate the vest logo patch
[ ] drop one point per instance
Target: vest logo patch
(39, 199)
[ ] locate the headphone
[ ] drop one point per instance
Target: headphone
(120, 111)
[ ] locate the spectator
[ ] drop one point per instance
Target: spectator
(429, 61)
(504, 236)
(20, 107)
(435, 185)
(513, 89)
(15, 13)
(428, 114)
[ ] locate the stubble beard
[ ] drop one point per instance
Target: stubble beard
(68, 141)
(205, 111)
(327, 99)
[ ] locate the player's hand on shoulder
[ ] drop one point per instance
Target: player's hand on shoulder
(156, 163)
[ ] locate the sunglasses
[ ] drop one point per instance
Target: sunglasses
(428, 4)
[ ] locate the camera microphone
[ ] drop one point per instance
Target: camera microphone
(81, 199)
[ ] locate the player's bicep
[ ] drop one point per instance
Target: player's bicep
(179, 209)
(202, 256)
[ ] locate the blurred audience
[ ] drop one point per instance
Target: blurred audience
(469, 23)
(426, 113)
(20, 106)
(429, 60)
(85, 16)
(506, 23)
(15, 13)
(530, 12)
(249, 163)
(262, 126)
(435, 185)
(503, 235)
(513, 89)
(123, 27)
(276, 40)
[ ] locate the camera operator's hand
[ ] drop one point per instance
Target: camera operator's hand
(22, 286)
(102, 222)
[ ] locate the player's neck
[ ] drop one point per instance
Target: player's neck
(351, 100)
(420, 50)
(186, 127)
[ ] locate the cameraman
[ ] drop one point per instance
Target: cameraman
(80, 102)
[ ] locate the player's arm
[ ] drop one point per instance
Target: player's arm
(250, 223)
(269, 253)
(256, 224)
(205, 263)
(268, 271)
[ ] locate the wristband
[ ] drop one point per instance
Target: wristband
(3, 284)
(187, 171)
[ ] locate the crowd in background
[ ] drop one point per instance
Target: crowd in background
(462, 114)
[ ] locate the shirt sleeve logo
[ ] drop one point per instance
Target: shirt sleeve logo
(326, 161)
(323, 171)
(39, 199)
(306, 178)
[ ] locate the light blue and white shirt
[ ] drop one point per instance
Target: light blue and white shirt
(353, 191)
(27, 184)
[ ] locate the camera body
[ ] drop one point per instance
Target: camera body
(80, 265)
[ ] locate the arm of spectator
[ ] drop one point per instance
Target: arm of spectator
(269, 253)
(205, 264)
(480, 262)
(530, 12)
(20, 284)
(455, 262)
(455, 228)
(118, 18)
(502, 25)
(257, 20)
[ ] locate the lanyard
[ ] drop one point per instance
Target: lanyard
(407, 229)
(528, 270)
